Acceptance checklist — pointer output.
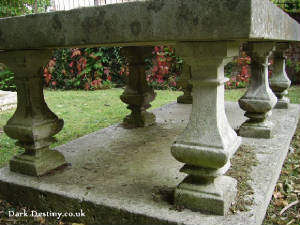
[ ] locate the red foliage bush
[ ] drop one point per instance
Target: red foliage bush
(240, 77)
(86, 68)
(164, 68)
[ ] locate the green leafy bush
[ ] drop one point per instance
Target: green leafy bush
(17, 7)
(7, 82)
(293, 64)
(288, 5)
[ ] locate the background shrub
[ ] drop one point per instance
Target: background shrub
(164, 68)
(101, 68)
(84, 68)
(238, 72)
(7, 82)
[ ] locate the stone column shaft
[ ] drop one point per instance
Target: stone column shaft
(259, 99)
(184, 83)
(33, 123)
(279, 81)
(208, 141)
(138, 94)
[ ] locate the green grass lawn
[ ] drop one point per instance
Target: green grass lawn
(85, 112)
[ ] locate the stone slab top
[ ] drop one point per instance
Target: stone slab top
(150, 22)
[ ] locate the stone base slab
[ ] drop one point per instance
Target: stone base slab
(257, 130)
(143, 119)
(120, 176)
(282, 103)
(183, 99)
(214, 198)
(37, 166)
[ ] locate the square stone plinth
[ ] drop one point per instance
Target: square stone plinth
(37, 165)
(257, 130)
(120, 176)
(282, 103)
(213, 198)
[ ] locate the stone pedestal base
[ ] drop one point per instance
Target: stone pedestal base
(279, 81)
(184, 83)
(142, 119)
(208, 142)
(33, 124)
(257, 130)
(259, 99)
(37, 165)
(185, 99)
(137, 94)
(210, 157)
(282, 103)
(213, 198)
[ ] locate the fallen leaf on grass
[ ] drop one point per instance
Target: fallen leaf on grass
(278, 195)
(281, 202)
(288, 206)
(279, 188)
(295, 167)
(297, 192)
(292, 221)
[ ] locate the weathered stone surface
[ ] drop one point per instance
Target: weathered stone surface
(124, 192)
(39, 164)
(208, 141)
(184, 84)
(150, 22)
(257, 129)
(208, 107)
(259, 99)
(214, 197)
(265, 24)
(8, 100)
(279, 81)
(138, 94)
(33, 123)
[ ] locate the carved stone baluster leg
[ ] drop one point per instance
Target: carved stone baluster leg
(279, 81)
(183, 82)
(208, 141)
(259, 99)
(138, 94)
(33, 123)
